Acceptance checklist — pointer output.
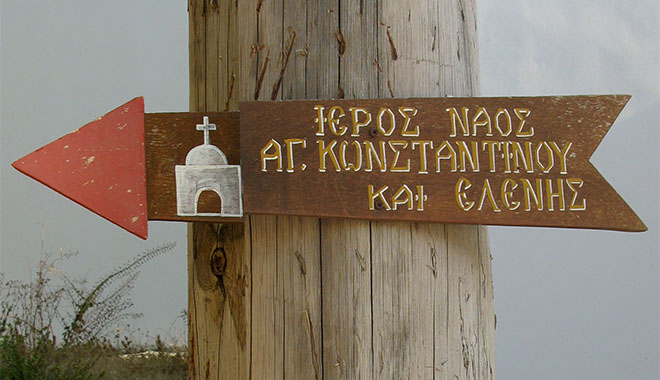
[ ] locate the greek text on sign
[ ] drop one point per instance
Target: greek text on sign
(502, 161)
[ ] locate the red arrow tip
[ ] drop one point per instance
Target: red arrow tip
(100, 166)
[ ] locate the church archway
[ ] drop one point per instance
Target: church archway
(208, 200)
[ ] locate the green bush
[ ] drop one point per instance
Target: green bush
(18, 361)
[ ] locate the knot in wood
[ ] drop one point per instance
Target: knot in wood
(218, 262)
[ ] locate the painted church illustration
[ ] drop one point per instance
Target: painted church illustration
(206, 169)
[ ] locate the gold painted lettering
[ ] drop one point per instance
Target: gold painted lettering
(507, 194)
(550, 158)
(450, 155)
(320, 120)
(484, 122)
(289, 152)
(403, 145)
(382, 112)
(491, 152)
(487, 192)
(355, 117)
(276, 155)
(471, 154)
(562, 153)
(506, 155)
(408, 113)
(523, 114)
(423, 144)
(333, 121)
(522, 155)
(456, 118)
(327, 151)
(420, 197)
(529, 193)
(403, 196)
(381, 159)
(459, 192)
(574, 184)
(379, 194)
(551, 195)
(357, 165)
(509, 128)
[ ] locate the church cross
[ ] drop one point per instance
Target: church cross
(206, 127)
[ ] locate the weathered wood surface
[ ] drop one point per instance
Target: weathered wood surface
(219, 300)
(337, 299)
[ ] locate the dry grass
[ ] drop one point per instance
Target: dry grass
(147, 365)
(30, 312)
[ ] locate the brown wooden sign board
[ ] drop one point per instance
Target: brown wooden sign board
(495, 161)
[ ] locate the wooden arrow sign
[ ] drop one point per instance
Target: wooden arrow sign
(101, 166)
(500, 161)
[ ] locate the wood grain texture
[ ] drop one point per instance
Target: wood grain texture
(298, 270)
(342, 299)
(219, 260)
(346, 292)
(267, 302)
(487, 319)
(346, 245)
(296, 275)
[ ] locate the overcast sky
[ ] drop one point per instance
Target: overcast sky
(571, 304)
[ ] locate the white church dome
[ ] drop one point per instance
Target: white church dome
(206, 155)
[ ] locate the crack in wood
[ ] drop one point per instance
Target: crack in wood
(435, 32)
(231, 91)
(377, 64)
(260, 81)
(395, 56)
(312, 343)
(278, 83)
(382, 362)
(433, 266)
(389, 87)
(341, 41)
(363, 264)
(341, 364)
(301, 262)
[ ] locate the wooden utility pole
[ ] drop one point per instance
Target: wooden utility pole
(304, 298)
